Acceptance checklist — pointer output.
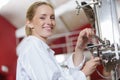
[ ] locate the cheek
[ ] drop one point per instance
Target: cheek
(38, 25)
(39, 29)
(54, 24)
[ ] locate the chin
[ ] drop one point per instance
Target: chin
(48, 35)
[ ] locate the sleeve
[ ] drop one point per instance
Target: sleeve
(73, 71)
(70, 63)
(27, 69)
(70, 74)
(21, 73)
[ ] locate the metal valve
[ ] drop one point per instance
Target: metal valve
(106, 52)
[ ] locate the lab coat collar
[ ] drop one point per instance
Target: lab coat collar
(43, 43)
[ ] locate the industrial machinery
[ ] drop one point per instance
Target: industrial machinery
(103, 16)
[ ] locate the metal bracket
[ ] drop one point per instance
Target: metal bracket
(98, 2)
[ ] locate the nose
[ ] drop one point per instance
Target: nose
(49, 21)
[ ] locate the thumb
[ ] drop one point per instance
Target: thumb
(92, 57)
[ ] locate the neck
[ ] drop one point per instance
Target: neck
(41, 38)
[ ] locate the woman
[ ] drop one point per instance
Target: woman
(36, 60)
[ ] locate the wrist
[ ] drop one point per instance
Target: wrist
(85, 73)
(80, 47)
(79, 50)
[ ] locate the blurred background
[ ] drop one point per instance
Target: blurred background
(12, 24)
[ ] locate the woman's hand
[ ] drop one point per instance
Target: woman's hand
(90, 66)
(84, 37)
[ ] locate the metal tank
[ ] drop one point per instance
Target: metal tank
(104, 16)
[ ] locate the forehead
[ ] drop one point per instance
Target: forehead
(44, 9)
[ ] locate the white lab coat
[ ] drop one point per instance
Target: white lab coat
(36, 62)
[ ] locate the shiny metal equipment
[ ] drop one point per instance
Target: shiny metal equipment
(104, 17)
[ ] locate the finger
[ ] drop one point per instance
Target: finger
(96, 58)
(92, 57)
(83, 33)
(97, 63)
(90, 33)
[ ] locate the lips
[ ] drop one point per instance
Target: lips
(48, 28)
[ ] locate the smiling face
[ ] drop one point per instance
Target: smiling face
(43, 22)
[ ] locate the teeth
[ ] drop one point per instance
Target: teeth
(48, 28)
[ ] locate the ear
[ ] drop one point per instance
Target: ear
(29, 24)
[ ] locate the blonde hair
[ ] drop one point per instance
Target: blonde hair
(31, 12)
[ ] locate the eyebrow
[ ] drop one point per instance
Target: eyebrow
(46, 14)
